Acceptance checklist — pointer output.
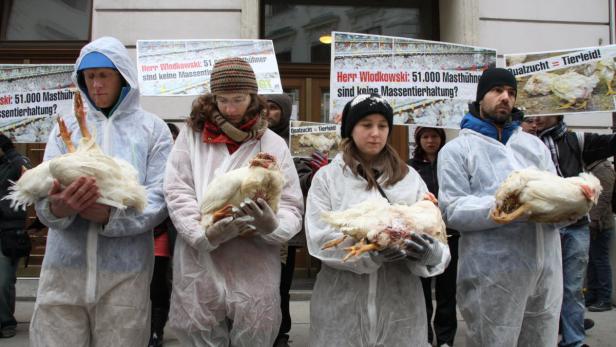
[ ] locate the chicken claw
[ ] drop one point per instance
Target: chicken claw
(504, 218)
(224, 212)
(334, 243)
(80, 114)
(359, 249)
(66, 135)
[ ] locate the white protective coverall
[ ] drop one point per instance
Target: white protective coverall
(509, 286)
(225, 295)
(95, 279)
(361, 302)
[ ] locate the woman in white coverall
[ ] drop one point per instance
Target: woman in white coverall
(225, 287)
(98, 261)
(375, 299)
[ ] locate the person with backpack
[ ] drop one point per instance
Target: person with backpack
(12, 223)
(570, 151)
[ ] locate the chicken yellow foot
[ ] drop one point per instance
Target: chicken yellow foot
(359, 249)
(501, 217)
(610, 91)
(334, 243)
(80, 114)
(65, 135)
(224, 212)
(566, 105)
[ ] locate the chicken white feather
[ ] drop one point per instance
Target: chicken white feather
(545, 197)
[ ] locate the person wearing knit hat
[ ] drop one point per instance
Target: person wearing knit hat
(386, 282)
(219, 276)
(493, 112)
(362, 106)
(490, 147)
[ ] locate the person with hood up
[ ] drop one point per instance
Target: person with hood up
(509, 286)
(95, 278)
(374, 299)
(278, 116)
(428, 142)
(226, 286)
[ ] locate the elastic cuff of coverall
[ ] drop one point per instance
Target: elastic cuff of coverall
(114, 215)
(205, 245)
(274, 238)
(54, 221)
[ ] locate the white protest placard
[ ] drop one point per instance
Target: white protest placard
(567, 81)
(31, 98)
(183, 67)
(426, 82)
(307, 137)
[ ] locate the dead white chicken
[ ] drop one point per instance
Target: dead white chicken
(539, 84)
(545, 197)
(320, 142)
(376, 224)
(516, 59)
(574, 89)
(605, 71)
(116, 179)
(262, 178)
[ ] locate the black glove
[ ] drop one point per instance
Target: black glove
(423, 249)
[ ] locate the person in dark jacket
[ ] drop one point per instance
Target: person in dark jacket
(160, 286)
(428, 142)
(11, 163)
(279, 116)
(599, 272)
(569, 155)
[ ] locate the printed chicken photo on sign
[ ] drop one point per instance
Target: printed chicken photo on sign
(376, 224)
(262, 178)
(569, 81)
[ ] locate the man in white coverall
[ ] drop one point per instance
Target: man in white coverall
(509, 286)
(96, 273)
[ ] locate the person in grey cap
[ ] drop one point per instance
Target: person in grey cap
(509, 286)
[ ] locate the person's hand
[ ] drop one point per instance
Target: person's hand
(227, 229)
(317, 161)
(76, 197)
(424, 249)
(97, 213)
(388, 255)
(264, 220)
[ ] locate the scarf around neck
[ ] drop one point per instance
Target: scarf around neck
(218, 130)
(548, 136)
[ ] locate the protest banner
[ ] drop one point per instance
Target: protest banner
(307, 137)
(183, 67)
(31, 98)
(567, 81)
(426, 82)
